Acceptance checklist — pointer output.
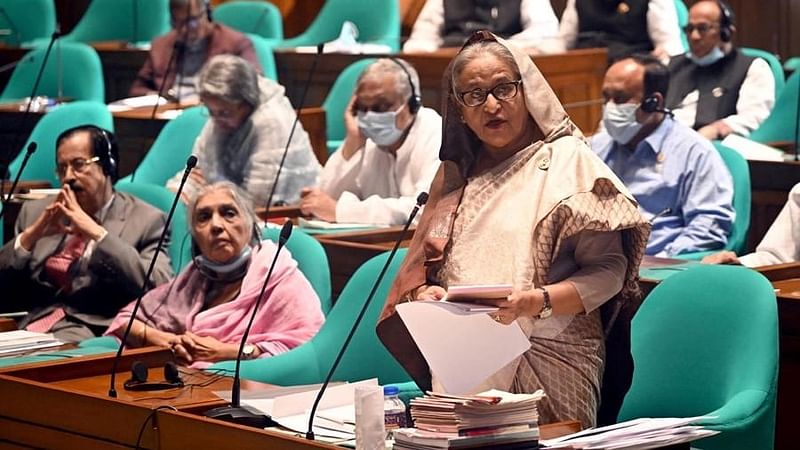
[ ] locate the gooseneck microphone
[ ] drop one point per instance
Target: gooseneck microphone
(190, 163)
(31, 149)
(294, 125)
(236, 413)
(422, 198)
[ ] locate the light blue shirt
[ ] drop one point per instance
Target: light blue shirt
(681, 183)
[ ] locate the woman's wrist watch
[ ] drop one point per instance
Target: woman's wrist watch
(249, 351)
(547, 308)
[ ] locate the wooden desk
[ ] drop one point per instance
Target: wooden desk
(770, 184)
(575, 76)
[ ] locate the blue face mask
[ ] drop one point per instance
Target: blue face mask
(710, 58)
(380, 127)
(620, 122)
(225, 272)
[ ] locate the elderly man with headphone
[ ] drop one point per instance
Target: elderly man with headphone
(389, 154)
(714, 87)
(81, 255)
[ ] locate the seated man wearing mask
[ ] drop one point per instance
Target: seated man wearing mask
(679, 179)
(389, 154)
(196, 39)
(81, 255)
(715, 88)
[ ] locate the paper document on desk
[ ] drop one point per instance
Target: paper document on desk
(462, 346)
(752, 150)
(639, 434)
(324, 225)
(20, 341)
(126, 104)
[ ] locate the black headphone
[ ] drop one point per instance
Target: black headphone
(726, 21)
(207, 6)
(414, 101)
(138, 380)
(651, 104)
(104, 146)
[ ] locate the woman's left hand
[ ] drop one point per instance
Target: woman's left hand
(207, 348)
(518, 304)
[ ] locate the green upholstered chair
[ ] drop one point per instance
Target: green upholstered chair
(311, 260)
(42, 165)
(705, 342)
(365, 357)
(683, 20)
(253, 17)
(26, 21)
(781, 122)
(774, 65)
(742, 194)
(378, 21)
(173, 145)
(337, 100)
(160, 197)
(266, 58)
(122, 20)
(73, 70)
(792, 64)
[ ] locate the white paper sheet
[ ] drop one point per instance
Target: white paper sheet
(461, 347)
(324, 225)
(752, 150)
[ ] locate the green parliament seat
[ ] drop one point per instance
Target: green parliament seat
(122, 20)
(26, 21)
(311, 260)
(266, 58)
(161, 198)
(365, 357)
(774, 66)
(173, 145)
(73, 71)
(683, 20)
(42, 165)
(705, 343)
(337, 100)
(781, 122)
(378, 22)
(252, 17)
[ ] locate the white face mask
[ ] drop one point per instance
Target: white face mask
(380, 127)
(710, 58)
(620, 121)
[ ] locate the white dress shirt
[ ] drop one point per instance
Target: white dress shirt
(781, 244)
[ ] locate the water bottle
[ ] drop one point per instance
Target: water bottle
(394, 410)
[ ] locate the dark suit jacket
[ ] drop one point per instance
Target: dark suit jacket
(114, 273)
(223, 40)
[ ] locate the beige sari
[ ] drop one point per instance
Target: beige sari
(519, 223)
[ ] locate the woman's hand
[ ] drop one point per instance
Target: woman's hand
(725, 257)
(204, 348)
(518, 304)
(431, 293)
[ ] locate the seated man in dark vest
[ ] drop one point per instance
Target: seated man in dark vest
(530, 24)
(623, 26)
(714, 88)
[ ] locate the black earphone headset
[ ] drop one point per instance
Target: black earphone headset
(414, 101)
(651, 104)
(726, 21)
(207, 6)
(109, 163)
(138, 380)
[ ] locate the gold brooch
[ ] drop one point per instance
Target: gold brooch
(623, 8)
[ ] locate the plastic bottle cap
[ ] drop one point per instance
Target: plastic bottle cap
(391, 390)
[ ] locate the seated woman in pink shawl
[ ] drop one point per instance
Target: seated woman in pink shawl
(203, 312)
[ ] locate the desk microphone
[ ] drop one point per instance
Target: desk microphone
(294, 125)
(190, 163)
(31, 149)
(237, 413)
(422, 198)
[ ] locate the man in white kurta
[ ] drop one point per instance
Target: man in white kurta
(389, 155)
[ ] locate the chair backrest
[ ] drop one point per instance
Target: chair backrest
(683, 20)
(740, 172)
(252, 17)
(73, 70)
(337, 100)
(311, 260)
(42, 165)
(266, 58)
(173, 145)
(160, 197)
(122, 20)
(705, 342)
(378, 21)
(27, 20)
(781, 122)
(365, 358)
(774, 65)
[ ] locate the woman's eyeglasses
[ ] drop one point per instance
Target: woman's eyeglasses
(78, 165)
(477, 97)
(701, 28)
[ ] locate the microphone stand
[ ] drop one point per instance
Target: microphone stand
(236, 413)
(421, 200)
(31, 149)
(797, 127)
(190, 163)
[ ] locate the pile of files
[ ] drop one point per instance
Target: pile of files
(491, 419)
(17, 342)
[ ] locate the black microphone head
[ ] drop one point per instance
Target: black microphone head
(32, 147)
(191, 161)
(286, 232)
(422, 198)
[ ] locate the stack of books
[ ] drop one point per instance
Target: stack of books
(491, 419)
(13, 343)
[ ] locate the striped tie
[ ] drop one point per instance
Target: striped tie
(57, 266)
(44, 324)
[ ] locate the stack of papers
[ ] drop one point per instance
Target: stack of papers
(752, 150)
(22, 341)
(634, 434)
(126, 104)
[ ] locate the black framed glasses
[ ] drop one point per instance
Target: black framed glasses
(503, 92)
(701, 28)
(78, 165)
